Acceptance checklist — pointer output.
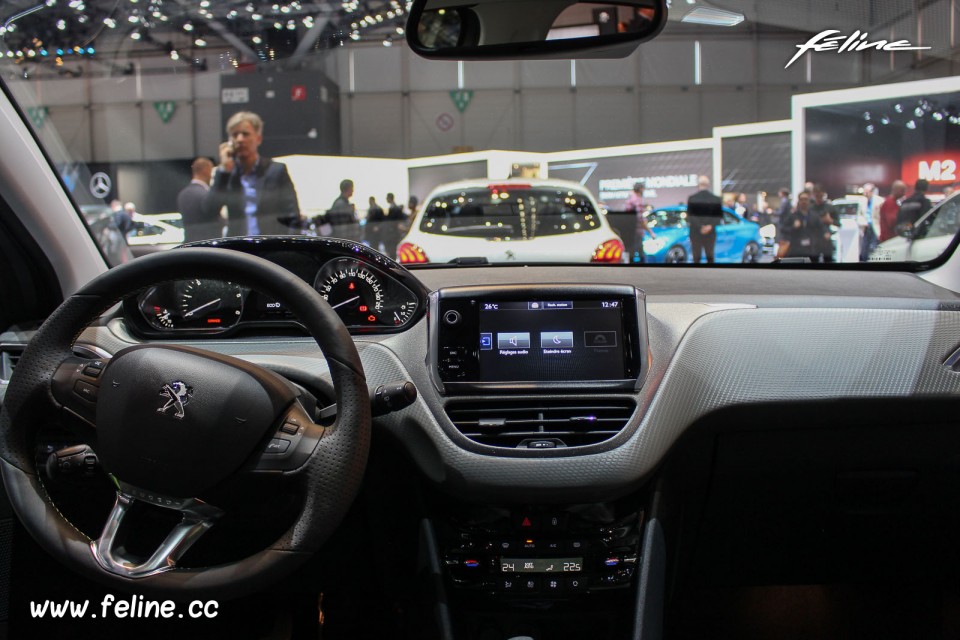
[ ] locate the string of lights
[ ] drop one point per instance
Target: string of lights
(57, 30)
(909, 115)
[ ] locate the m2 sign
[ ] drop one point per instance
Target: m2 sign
(936, 168)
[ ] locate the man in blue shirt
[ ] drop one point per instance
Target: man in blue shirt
(257, 191)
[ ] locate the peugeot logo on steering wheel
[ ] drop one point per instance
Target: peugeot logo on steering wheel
(175, 396)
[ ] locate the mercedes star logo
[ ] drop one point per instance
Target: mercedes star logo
(175, 396)
(100, 185)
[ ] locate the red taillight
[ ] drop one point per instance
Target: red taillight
(609, 251)
(411, 254)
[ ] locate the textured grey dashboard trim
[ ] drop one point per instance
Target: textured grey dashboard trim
(703, 358)
(730, 283)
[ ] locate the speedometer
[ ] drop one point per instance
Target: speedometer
(352, 289)
(363, 296)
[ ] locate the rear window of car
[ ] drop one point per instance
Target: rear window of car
(942, 221)
(509, 212)
(667, 219)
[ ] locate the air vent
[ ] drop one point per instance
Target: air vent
(540, 424)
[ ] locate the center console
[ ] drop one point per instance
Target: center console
(551, 370)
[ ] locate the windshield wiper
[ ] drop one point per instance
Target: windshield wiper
(469, 260)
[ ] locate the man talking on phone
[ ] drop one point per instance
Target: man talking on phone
(257, 191)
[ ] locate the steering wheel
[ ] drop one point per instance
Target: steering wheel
(173, 422)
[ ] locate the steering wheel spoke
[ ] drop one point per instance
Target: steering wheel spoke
(76, 386)
(196, 519)
(292, 444)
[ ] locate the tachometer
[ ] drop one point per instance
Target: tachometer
(208, 304)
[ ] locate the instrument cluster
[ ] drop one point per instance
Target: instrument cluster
(369, 292)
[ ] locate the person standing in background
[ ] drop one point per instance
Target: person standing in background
(802, 232)
(342, 214)
(890, 210)
(122, 220)
(785, 208)
(373, 230)
(823, 209)
(635, 204)
(257, 191)
(393, 227)
(704, 213)
(200, 222)
(868, 219)
(913, 208)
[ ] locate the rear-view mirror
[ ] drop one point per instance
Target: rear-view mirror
(504, 29)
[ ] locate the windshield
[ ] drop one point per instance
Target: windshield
(743, 133)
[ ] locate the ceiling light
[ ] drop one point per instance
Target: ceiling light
(911, 124)
(278, 25)
(200, 42)
(937, 115)
(918, 112)
(204, 4)
(256, 16)
(871, 129)
(135, 35)
(866, 116)
(188, 27)
(256, 39)
(355, 36)
(898, 108)
(61, 24)
(291, 25)
(884, 119)
(388, 41)
(110, 22)
(174, 55)
(399, 31)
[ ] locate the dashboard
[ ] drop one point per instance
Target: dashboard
(370, 293)
(550, 397)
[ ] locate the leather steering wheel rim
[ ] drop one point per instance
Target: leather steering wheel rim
(329, 480)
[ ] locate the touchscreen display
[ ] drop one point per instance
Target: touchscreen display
(551, 340)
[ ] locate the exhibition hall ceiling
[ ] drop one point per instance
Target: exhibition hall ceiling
(264, 30)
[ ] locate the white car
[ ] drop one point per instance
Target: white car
(513, 220)
(930, 237)
(156, 229)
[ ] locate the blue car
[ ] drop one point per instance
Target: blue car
(738, 240)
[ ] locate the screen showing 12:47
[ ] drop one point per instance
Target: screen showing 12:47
(543, 340)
